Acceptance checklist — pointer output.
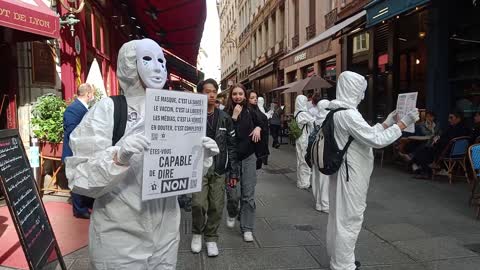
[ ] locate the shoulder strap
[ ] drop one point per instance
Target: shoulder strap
(120, 112)
(297, 115)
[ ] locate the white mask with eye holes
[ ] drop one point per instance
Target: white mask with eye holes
(151, 63)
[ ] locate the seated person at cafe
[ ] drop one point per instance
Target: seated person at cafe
(424, 134)
(427, 155)
(476, 128)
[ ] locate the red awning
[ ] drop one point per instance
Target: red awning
(31, 16)
(177, 25)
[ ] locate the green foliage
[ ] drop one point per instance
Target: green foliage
(47, 118)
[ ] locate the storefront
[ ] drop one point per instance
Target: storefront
(391, 51)
(28, 67)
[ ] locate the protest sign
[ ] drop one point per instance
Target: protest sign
(405, 103)
(175, 123)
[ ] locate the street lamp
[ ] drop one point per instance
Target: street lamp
(71, 20)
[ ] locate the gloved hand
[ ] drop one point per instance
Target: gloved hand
(411, 117)
(210, 147)
(133, 144)
(391, 119)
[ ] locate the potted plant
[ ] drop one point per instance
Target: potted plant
(47, 124)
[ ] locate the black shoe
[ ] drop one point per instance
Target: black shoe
(357, 264)
(82, 215)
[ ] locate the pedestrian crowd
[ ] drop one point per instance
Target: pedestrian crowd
(106, 164)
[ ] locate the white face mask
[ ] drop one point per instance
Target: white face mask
(151, 64)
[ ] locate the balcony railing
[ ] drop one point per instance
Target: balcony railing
(295, 41)
(331, 18)
(310, 31)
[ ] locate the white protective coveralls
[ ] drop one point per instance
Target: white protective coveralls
(348, 199)
(320, 181)
(125, 233)
(305, 122)
(261, 106)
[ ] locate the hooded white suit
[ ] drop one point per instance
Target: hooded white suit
(125, 233)
(305, 122)
(319, 180)
(261, 107)
(348, 199)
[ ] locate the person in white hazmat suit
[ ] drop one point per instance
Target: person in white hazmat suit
(348, 198)
(319, 180)
(126, 233)
(305, 122)
(261, 107)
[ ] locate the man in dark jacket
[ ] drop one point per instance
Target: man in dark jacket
(207, 205)
(426, 155)
(72, 116)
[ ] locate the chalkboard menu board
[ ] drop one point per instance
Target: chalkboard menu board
(25, 205)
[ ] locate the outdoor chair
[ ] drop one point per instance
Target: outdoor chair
(474, 155)
(453, 156)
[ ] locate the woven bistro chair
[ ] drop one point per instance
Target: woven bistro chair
(454, 155)
(474, 155)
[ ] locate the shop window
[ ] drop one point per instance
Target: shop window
(329, 69)
(382, 63)
(361, 43)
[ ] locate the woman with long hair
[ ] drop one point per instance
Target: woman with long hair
(261, 149)
(248, 132)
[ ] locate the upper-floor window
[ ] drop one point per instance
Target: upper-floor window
(361, 43)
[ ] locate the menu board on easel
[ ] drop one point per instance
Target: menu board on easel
(25, 205)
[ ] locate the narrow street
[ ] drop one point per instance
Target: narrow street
(409, 225)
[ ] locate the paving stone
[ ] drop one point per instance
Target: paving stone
(266, 258)
(398, 232)
(317, 221)
(80, 264)
(380, 253)
(436, 248)
(285, 238)
(81, 253)
(320, 254)
(189, 261)
(56, 266)
(460, 264)
(365, 237)
(396, 267)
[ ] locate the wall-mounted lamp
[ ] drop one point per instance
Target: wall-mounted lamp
(70, 20)
(417, 61)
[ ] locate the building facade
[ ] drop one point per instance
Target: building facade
(228, 15)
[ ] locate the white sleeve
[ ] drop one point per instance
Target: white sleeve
(91, 170)
(362, 132)
(305, 118)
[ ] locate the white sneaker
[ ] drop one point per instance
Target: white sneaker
(196, 243)
(230, 222)
(212, 249)
(248, 237)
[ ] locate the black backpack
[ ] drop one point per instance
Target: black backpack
(324, 152)
(311, 139)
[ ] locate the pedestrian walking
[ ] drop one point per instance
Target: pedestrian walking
(275, 123)
(320, 182)
(207, 205)
(261, 148)
(349, 185)
(305, 122)
(72, 116)
(248, 132)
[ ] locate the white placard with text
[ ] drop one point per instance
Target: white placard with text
(405, 103)
(175, 123)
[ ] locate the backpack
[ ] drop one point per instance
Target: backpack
(120, 112)
(294, 131)
(324, 152)
(311, 139)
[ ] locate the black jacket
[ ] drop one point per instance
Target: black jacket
(225, 136)
(245, 124)
(261, 148)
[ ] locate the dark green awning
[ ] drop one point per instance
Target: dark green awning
(379, 10)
